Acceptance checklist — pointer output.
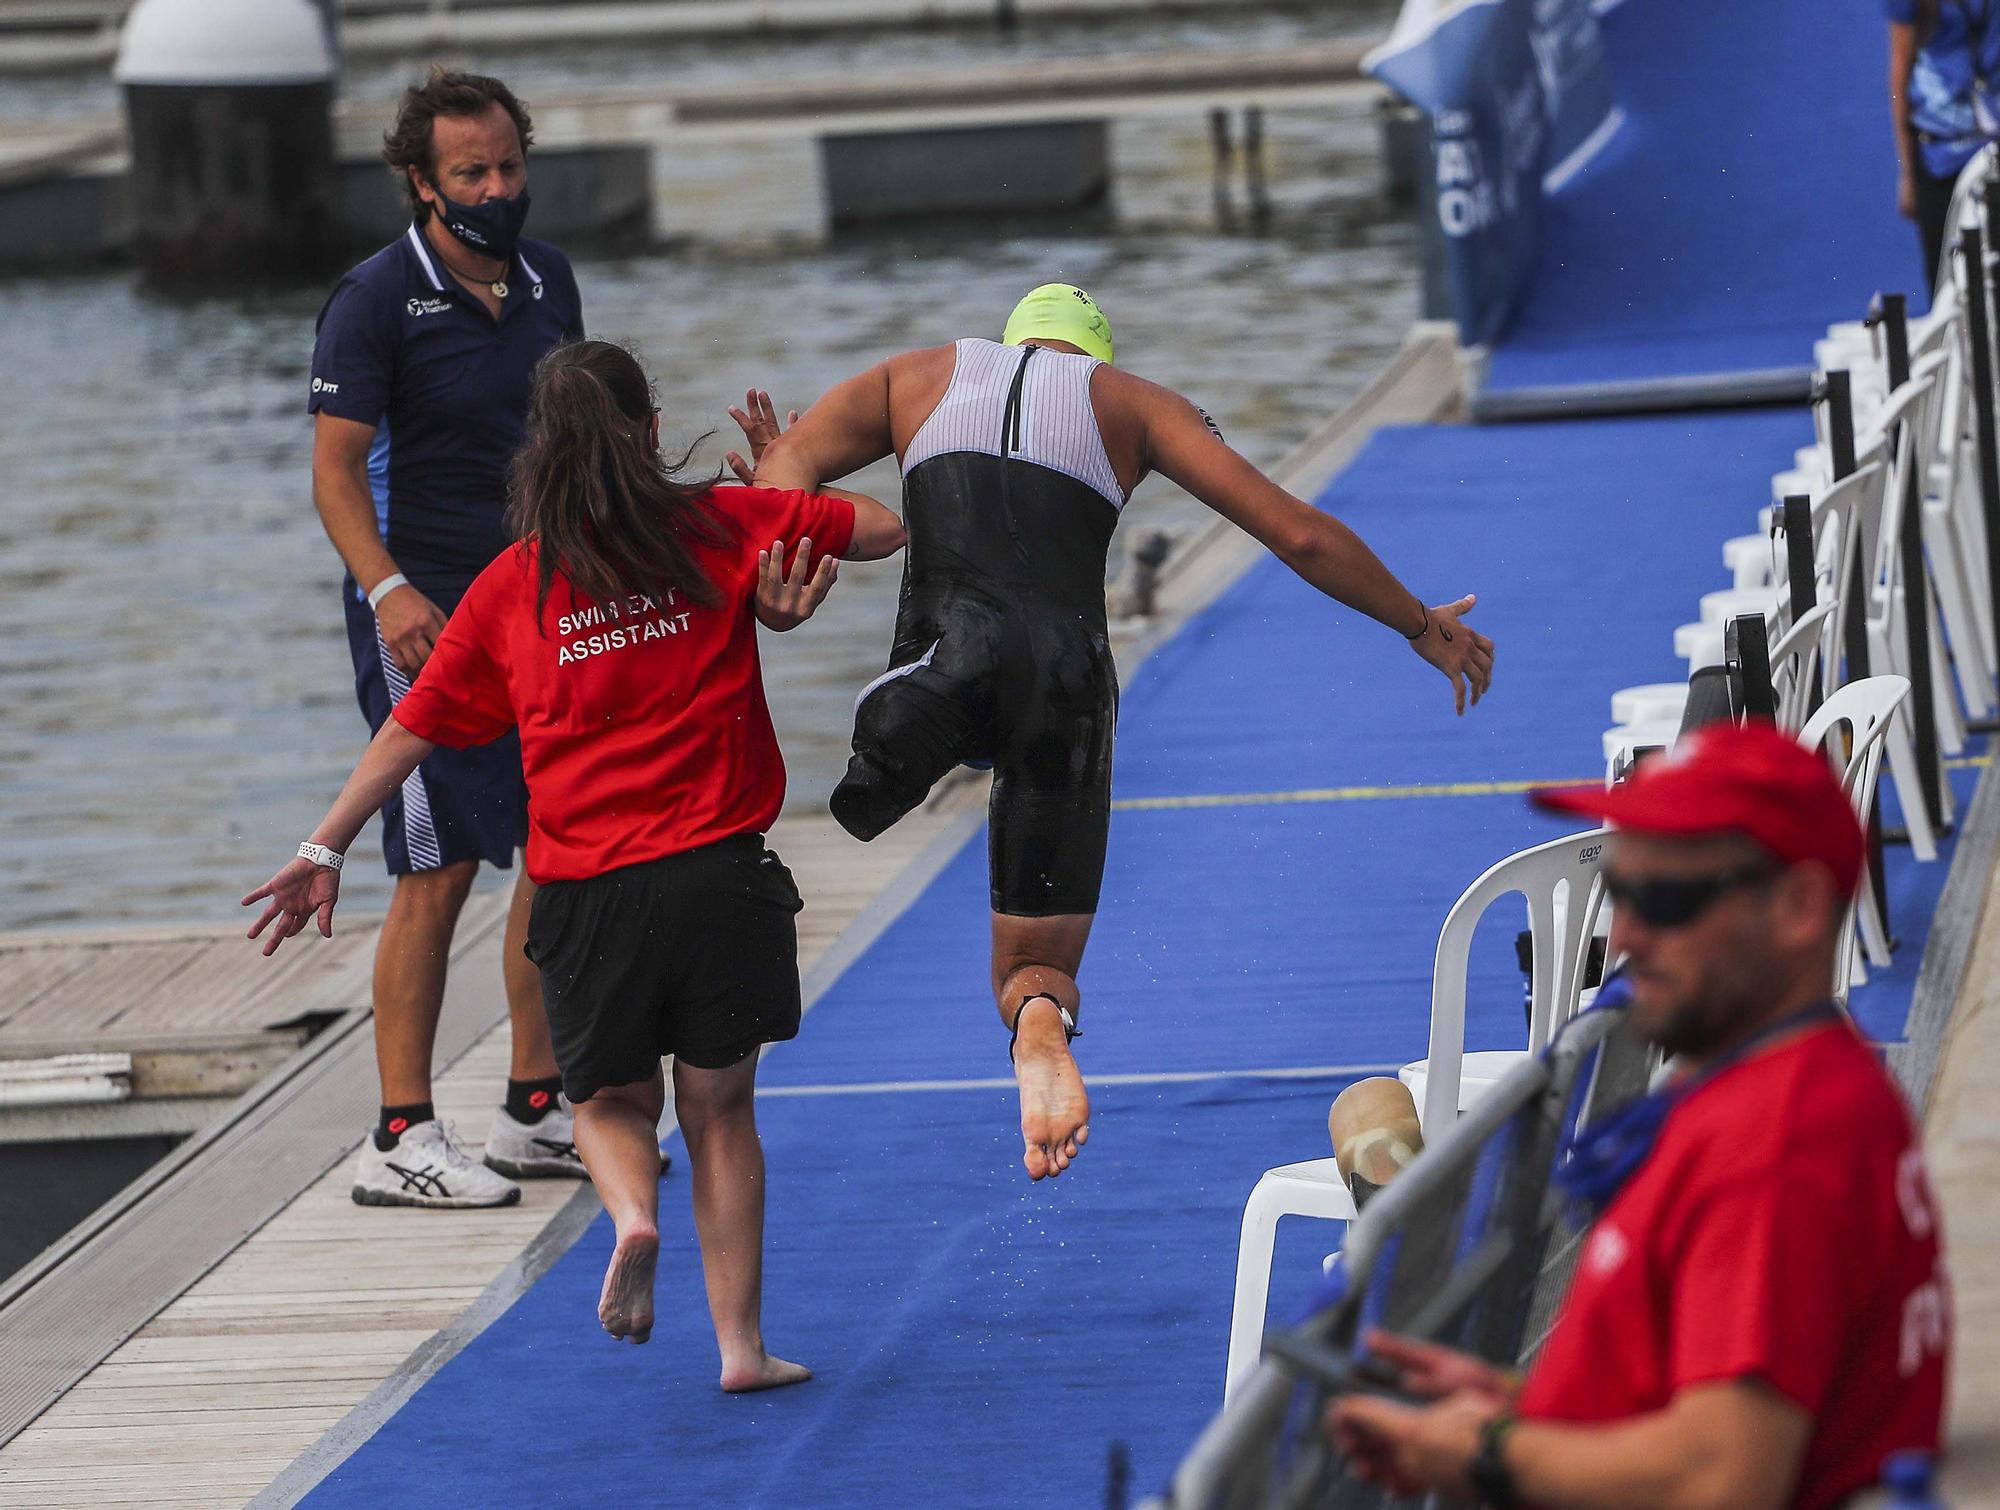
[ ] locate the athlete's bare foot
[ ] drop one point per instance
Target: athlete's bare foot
(761, 1371)
(1055, 1111)
(626, 1305)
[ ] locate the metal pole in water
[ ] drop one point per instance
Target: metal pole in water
(229, 105)
(1254, 181)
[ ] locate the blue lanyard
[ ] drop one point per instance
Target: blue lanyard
(1597, 1161)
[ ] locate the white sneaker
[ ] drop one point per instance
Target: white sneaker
(541, 1150)
(427, 1168)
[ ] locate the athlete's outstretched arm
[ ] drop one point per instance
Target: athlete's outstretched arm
(1180, 444)
(877, 532)
(846, 430)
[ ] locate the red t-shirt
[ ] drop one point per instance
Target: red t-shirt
(1783, 1229)
(644, 730)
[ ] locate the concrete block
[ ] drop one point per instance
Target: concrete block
(61, 222)
(719, 188)
(995, 169)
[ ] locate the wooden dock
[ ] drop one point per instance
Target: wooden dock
(227, 1330)
(178, 1022)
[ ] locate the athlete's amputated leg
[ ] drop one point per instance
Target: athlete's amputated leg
(717, 1113)
(918, 719)
(616, 1132)
(1035, 961)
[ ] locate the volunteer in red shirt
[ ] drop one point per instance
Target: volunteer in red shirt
(1760, 1314)
(618, 636)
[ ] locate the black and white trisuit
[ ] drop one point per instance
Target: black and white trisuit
(1001, 653)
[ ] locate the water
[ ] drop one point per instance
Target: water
(176, 705)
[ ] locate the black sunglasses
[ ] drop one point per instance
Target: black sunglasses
(1674, 903)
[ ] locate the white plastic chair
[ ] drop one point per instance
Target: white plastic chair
(1888, 647)
(1796, 661)
(1950, 512)
(1727, 603)
(1868, 709)
(1560, 881)
(1795, 671)
(1623, 743)
(1958, 492)
(1312, 1188)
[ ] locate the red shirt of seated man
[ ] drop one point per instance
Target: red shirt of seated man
(1760, 1315)
(1782, 1230)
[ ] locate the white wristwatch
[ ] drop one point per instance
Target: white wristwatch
(319, 854)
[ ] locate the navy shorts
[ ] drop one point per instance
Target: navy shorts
(459, 804)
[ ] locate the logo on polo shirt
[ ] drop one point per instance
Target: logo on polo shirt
(321, 385)
(428, 306)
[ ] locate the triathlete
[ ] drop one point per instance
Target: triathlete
(1017, 457)
(618, 637)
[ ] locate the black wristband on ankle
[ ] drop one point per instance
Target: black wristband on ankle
(1071, 1032)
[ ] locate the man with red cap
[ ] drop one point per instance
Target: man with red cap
(1760, 1315)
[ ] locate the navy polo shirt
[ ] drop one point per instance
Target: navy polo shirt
(403, 347)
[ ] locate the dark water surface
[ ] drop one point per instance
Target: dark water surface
(176, 705)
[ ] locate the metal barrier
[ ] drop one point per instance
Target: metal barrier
(1468, 1247)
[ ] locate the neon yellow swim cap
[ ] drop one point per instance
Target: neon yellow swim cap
(1060, 312)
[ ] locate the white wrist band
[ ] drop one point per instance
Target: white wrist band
(383, 588)
(319, 854)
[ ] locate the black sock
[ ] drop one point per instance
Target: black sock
(397, 1120)
(528, 1101)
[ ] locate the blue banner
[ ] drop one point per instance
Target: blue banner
(1576, 85)
(1517, 93)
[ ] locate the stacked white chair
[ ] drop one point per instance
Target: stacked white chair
(1913, 448)
(1867, 709)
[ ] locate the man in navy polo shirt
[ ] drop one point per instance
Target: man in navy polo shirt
(420, 380)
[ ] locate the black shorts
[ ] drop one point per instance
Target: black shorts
(694, 955)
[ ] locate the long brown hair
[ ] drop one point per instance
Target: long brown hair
(607, 508)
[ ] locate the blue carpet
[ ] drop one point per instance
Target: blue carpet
(980, 1341)
(1748, 201)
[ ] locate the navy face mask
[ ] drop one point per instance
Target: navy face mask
(489, 229)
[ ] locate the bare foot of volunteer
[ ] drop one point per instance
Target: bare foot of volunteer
(1055, 1110)
(626, 1306)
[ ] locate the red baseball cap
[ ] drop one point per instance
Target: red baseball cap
(1746, 779)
